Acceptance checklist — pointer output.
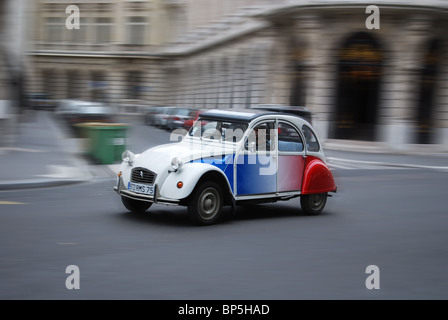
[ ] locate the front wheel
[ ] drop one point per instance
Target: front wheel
(135, 206)
(313, 204)
(205, 207)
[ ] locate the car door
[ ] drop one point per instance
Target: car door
(291, 157)
(256, 164)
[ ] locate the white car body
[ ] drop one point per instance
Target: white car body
(238, 171)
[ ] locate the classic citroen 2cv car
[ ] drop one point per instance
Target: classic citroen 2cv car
(229, 158)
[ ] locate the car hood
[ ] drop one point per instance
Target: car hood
(159, 158)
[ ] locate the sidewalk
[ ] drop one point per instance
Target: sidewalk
(43, 155)
(363, 154)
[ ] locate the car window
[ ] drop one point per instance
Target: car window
(311, 141)
(289, 139)
(233, 131)
(262, 136)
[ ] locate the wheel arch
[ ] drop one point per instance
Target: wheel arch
(220, 179)
(192, 175)
(317, 177)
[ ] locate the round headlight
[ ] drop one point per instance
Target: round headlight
(176, 164)
(128, 157)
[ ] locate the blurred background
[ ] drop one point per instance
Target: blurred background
(71, 101)
(387, 87)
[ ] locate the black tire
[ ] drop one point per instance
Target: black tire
(135, 206)
(205, 207)
(313, 204)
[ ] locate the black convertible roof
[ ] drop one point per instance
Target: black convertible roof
(247, 115)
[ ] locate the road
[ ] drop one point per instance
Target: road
(395, 219)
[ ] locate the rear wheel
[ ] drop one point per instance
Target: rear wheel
(205, 207)
(135, 206)
(313, 204)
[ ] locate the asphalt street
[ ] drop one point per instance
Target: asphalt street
(394, 218)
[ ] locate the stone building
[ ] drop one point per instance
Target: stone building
(385, 86)
(12, 59)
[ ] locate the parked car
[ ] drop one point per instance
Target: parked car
(77, 111)
(229, 158)
(151, 114)
(191, 119)
(295, 110)
(66, 109)
(177, 118)
(161, 117)
(40, 101)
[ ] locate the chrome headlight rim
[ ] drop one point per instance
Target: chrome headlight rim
(128, 157)
(176, 164)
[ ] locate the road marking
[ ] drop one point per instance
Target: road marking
(11, 202)
(20, 149)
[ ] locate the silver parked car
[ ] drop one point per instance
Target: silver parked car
(161, 117)
(177, 119)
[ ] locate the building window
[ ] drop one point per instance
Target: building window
(73, 84)
(98, 86)
(103, 30)
(49, 83)
(134, 85)
(79, 35)
(54, 28)
(136, 29)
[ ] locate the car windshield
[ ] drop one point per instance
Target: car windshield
(218, 130)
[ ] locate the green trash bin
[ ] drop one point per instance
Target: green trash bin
(106, 141)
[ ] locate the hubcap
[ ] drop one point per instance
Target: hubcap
(316, 201)
(209, 203)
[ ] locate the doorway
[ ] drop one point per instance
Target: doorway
(360, 61)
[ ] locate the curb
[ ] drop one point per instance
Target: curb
(387, 164)
(381, 147)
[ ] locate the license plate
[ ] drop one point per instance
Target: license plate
(141, 188)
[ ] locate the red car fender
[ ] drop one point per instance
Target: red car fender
(317, 177)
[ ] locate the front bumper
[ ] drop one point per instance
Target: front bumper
(121, 190)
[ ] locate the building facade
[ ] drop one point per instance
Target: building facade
(387, 86)
(12, 65)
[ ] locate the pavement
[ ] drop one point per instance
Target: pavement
(45, 154)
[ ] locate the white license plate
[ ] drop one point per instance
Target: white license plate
(141, 188)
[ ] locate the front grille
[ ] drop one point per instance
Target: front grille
(140, 175)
